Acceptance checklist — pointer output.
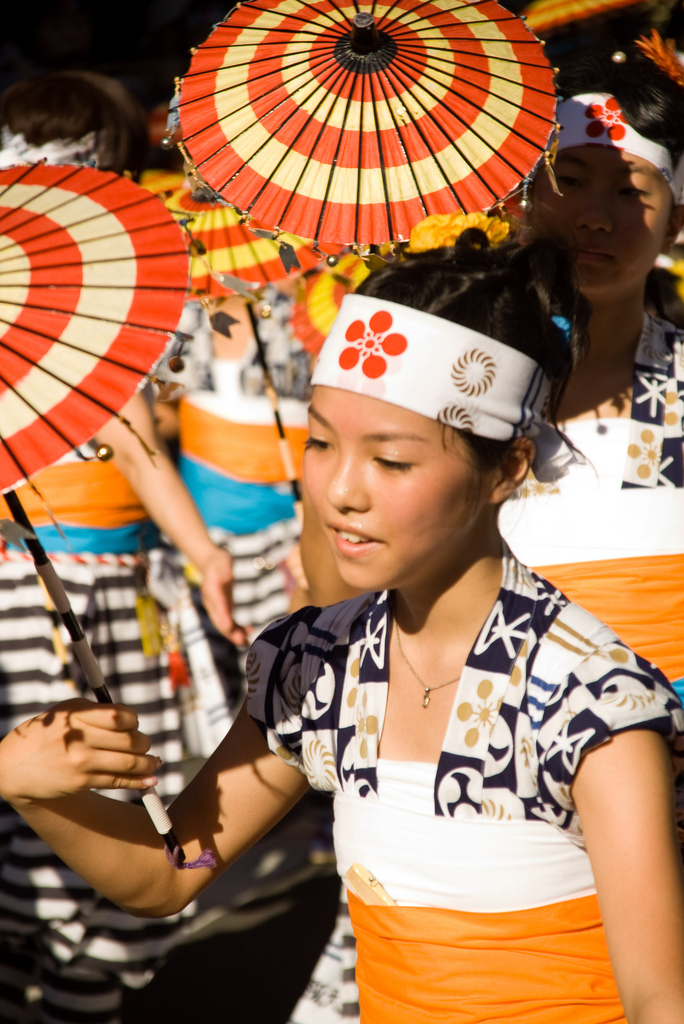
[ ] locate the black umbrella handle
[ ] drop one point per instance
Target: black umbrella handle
(365, 37)
(86, 659)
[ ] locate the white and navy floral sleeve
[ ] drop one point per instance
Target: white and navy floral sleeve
(655, 456)
(302, 684)
(544, 683)
(610, 690)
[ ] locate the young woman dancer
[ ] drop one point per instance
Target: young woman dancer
(501, 763)
(611, 533)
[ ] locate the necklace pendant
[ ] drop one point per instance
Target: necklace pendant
(426, 698)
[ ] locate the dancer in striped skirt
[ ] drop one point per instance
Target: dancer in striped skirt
(64, 951)
(230, 460)
(56, 934)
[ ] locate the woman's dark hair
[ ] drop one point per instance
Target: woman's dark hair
(69, 105)
(509, 293)
(650, 100)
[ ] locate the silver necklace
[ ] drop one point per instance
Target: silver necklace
(428, 689)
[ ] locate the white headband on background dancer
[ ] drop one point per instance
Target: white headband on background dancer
(596, 119)
(444, 371)
(14, 149)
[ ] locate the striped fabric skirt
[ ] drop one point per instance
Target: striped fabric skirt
(43, 904)
(261, 594)
(261, 590)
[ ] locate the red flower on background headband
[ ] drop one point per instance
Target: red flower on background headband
(608, 118)
(371, 344)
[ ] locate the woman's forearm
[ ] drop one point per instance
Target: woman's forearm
(50, 764)
(114, 847)
(169, 503)
(157, 483)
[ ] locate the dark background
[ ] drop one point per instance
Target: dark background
(144, 43)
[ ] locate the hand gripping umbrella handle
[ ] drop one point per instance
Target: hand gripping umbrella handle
(88, 661)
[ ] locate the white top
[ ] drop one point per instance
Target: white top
(479, 865)
(229, 401)
(587, 515)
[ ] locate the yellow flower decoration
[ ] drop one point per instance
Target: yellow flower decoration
(677, 268)
(442, 229)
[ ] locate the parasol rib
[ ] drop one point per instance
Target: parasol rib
(317, 12)
(509, 128)
(267, 75)
(316, 87)
(71, 171)
(454, 144)
(33, 332)
(146, 199)
(48, 423)
(96, 287)
(447, 20)
(312, 151)
(15, 458)
(333, 162)
(424, 70)
(408, 162)
(134, 257)
(130, 232)
(436, 55)
(359, 160)
(276, 88)
(271, 31)
(319, 83)
(72, 387)
(381, 156)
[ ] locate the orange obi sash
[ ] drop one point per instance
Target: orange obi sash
(89, 493)
(642, 599)
(247, 451)
(548, 965)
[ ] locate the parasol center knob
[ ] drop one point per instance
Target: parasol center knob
(365, 37)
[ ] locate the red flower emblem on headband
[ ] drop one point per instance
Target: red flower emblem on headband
(606, 117)
(371, 344)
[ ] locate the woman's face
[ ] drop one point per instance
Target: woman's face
(619, 211)
(400, 505)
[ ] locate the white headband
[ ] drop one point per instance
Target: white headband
(16, 150)
(596, 119)
(441, 370)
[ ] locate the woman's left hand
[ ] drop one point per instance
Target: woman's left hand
(217, 595)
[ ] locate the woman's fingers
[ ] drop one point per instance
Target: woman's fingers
(109, 727)
(74, 746)
(113, 770)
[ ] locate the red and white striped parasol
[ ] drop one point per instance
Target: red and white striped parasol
(222, 245)
(93, 276)
(349, 123)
